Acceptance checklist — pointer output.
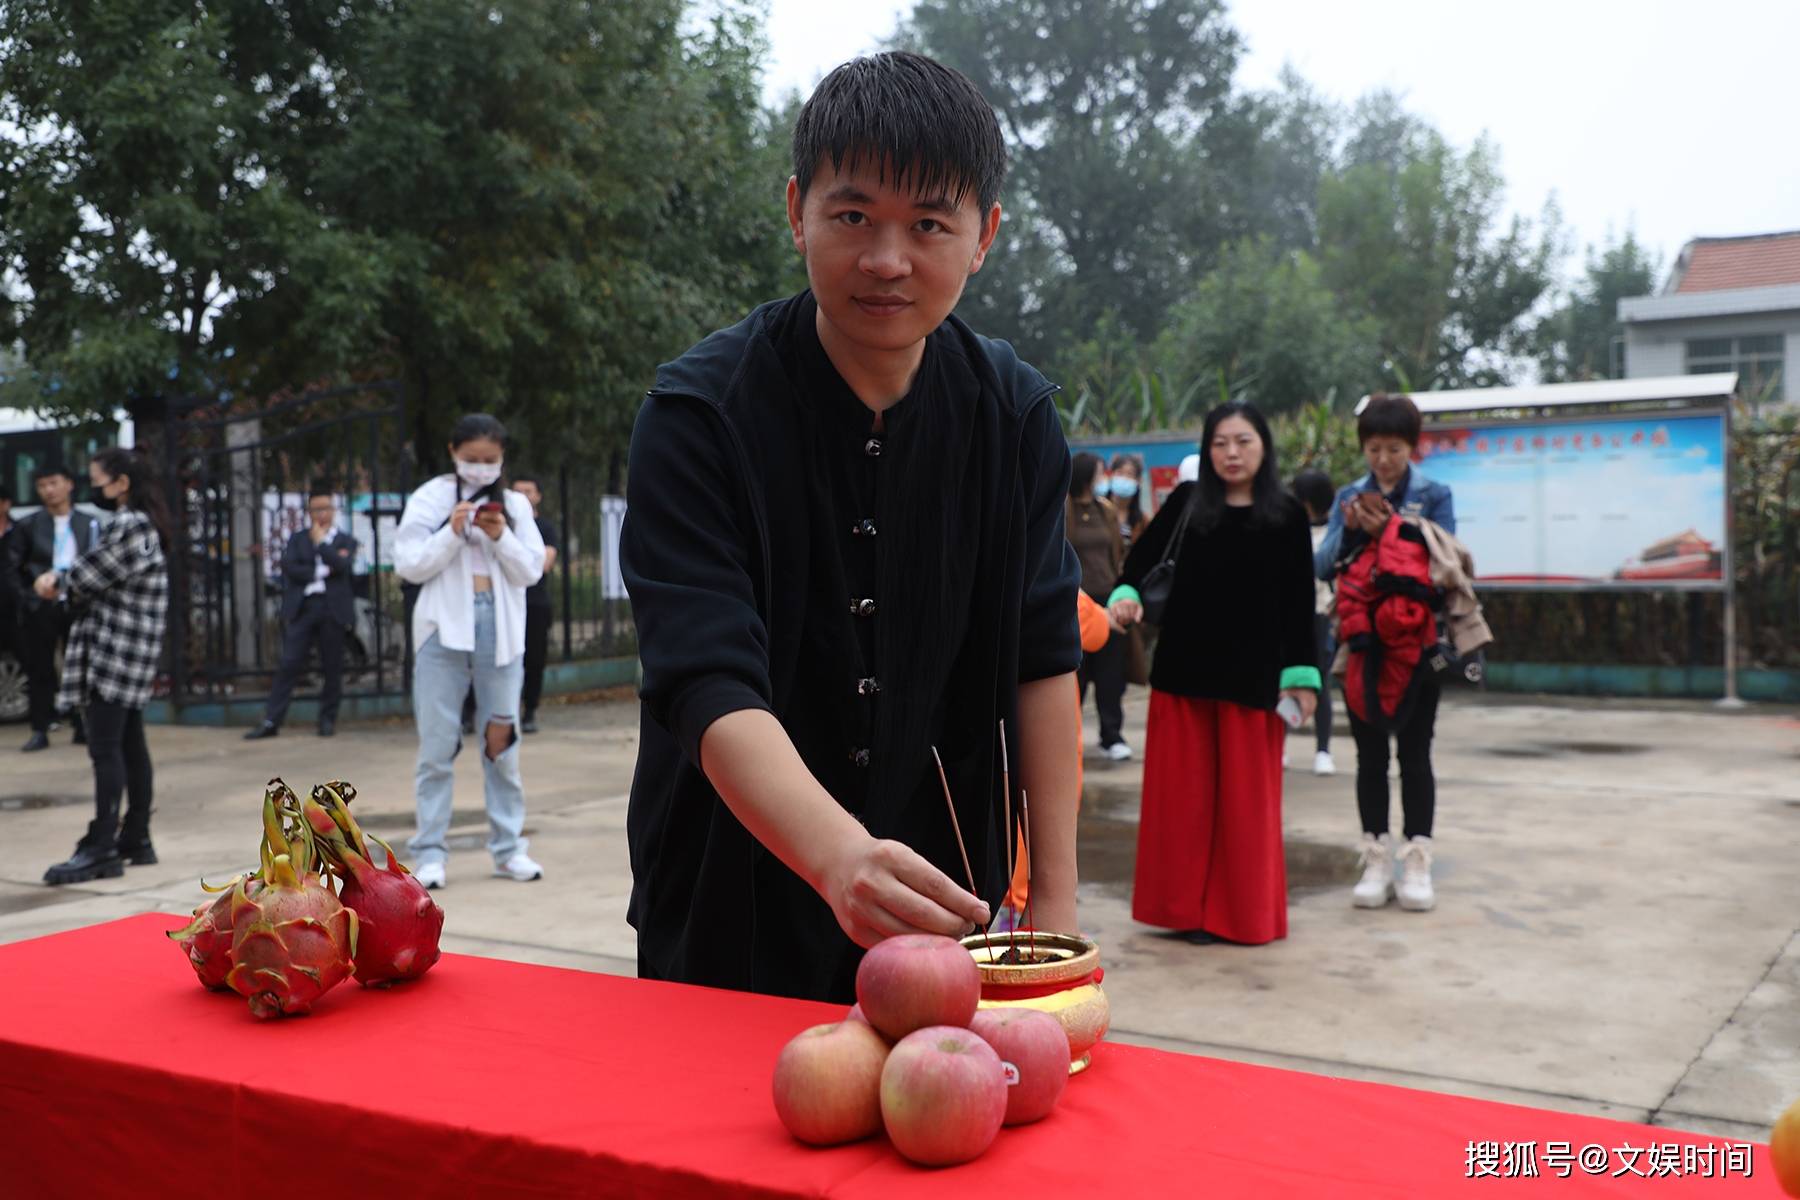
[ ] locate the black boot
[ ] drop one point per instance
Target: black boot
(267, 729)
(134, 845)
(39, 740)
(88, 862)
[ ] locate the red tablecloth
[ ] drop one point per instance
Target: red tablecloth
(120, 1076)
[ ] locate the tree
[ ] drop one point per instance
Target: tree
(1580, 338)
(1106, 107)
(140, 215)
(1408, 233)
(1264, 319)
(518, 207)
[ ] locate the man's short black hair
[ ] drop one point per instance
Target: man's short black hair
(909, 115)
(1314, 490)
(321, 493)
(5, 494)
(530, 478)
(43, 473)
(1389, 415)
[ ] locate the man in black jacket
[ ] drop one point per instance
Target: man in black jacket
(317, 607)
(844, 547)
(50, 539)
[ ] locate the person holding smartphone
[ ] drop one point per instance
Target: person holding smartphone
(471, 545)
(1234, 671)
(1388, 429)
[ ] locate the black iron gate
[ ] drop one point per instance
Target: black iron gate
(241, 484)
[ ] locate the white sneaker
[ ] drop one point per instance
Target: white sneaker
(519, 867)
(1376, 886)
(1118, 752)
(431, 874)
(1414, 890)
(1322, 764)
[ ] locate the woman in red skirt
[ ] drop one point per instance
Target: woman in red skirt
(1236, 640)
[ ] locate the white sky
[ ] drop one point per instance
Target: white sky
(1671, 117)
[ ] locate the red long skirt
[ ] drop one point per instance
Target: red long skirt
(1209, 839)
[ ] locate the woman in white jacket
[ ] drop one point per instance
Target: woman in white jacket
(472, 546)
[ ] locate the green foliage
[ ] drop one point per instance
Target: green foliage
(1320, 436)
(1577, 340)
(1110, 110)
(518, 207)
(1264, 317)
(1407, 235)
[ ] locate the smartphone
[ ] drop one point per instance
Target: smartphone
(492, 506)
(1289, 710)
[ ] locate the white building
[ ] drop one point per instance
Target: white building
(1730, 304)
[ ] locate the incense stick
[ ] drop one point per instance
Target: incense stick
(1025, 831)
(955, 825)
(1006, 791)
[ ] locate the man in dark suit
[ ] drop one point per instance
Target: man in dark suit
(317, 606)
(50, 539)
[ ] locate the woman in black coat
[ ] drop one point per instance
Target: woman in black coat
(1236, 642)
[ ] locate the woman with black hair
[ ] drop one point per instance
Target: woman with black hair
(1236, 649)
(471, 544)
(119, 593)
(1388, 429)
(1125, 487)
(1093, 528)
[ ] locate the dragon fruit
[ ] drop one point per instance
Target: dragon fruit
(294, 941)
(399, 923)
(208, 938)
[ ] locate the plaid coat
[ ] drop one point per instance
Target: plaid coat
(119, 591)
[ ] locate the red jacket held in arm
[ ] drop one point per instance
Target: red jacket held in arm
(1387, 618)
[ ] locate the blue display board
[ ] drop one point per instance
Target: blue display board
(1618, 501)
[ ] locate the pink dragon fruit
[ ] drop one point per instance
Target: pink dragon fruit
(399, 923)
(294, 941)
(208, 938)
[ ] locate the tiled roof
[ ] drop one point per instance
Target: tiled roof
(1727, 264)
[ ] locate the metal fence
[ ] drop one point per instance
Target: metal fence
(593, 616)
(240, 485)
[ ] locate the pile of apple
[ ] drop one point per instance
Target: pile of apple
(916, 1058)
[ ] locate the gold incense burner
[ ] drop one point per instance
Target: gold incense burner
(1059, 973)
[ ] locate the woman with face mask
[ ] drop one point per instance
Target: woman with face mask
(1127, 493)
(471, 545)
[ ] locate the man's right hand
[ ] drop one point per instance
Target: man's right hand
(460, 517)
(879, 889)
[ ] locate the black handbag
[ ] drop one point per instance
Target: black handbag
(1159, 581)
(1450, 668)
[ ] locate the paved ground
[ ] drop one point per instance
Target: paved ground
(1618, 929)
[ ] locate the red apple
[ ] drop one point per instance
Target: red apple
(916, 980)
(1035, 1044)
(828, 1083)
(943, 1095)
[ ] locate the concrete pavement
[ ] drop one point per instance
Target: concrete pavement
(1618, 928)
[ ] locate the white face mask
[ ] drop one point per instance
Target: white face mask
(477, 475)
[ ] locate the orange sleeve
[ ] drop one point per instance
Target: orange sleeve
(1094, 629)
